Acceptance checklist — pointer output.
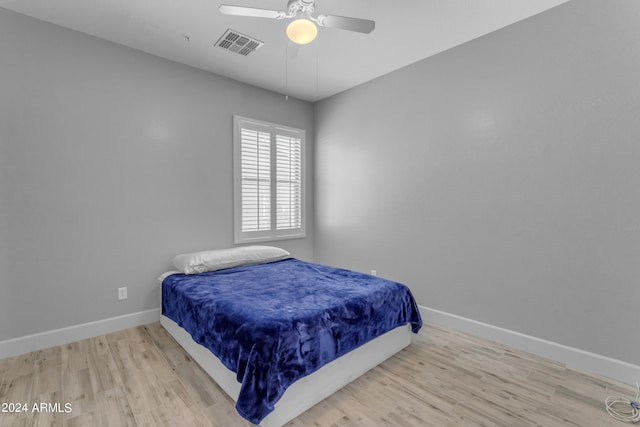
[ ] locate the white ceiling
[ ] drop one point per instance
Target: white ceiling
(185, 31)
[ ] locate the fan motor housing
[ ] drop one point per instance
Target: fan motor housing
(304, 6)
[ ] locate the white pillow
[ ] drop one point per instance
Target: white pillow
(199, 262)
(167, 274)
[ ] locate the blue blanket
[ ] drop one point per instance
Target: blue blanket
(275, 323)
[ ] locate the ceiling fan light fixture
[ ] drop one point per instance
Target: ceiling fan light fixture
(302, 31)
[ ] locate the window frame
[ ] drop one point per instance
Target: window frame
(273, 233)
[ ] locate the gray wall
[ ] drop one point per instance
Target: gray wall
(500, 180)
(111, 162)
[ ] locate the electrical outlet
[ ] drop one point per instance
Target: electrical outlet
(374, 273)
(122, 293)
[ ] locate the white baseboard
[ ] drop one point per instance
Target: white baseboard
(42, 340)
(571, 357)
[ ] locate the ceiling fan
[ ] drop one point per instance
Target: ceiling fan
(303, 29)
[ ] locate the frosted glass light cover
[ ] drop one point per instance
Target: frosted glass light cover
(302, 31)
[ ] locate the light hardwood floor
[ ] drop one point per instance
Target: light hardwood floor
(141, 377)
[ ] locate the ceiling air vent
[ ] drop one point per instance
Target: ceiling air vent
(238, 43)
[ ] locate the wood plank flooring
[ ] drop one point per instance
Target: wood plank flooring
(141, 377)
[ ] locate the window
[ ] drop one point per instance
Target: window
(268, 181)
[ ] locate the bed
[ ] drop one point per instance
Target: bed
(279, 334)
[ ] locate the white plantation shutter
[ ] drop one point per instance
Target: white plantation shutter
(289, 182)
(269, 187)
(256, 180)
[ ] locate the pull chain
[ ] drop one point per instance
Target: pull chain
(317, 62)
(286, 72)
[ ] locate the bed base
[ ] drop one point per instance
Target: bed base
(306, 392)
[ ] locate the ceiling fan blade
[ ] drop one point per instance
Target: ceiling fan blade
(228, 9)
(345, 23)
